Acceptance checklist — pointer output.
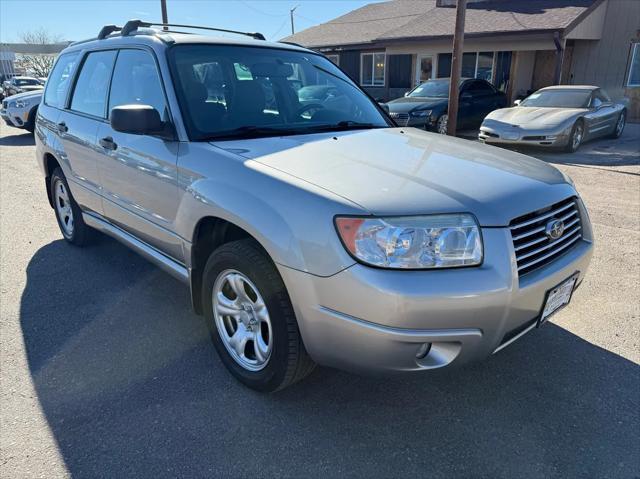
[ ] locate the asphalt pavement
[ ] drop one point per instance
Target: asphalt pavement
(105, 372)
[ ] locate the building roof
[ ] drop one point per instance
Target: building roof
(420, 19)
(34, 48)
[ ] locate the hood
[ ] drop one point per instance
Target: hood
(535, 118)
(388, 172)
(28, 95)
(31, 87)
(406, 104)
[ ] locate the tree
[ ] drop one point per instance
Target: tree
(39, 63)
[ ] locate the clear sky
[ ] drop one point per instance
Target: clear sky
(79, 19)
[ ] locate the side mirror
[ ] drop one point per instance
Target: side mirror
(517, 102)
(137, 120)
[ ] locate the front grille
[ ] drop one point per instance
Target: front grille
(534, 246)
(534, 138)
(400, 118)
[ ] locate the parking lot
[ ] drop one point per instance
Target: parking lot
(104, 371)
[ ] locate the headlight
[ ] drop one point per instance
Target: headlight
(21, 103)
(413, 242)
(421, 113)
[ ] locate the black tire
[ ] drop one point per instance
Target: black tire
(80, 234)
(572, 146)
(288, 361)
(30, 125)
(617, 130)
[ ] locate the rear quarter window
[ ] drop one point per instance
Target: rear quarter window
(60, 79)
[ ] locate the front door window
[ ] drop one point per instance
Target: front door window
(425, 69)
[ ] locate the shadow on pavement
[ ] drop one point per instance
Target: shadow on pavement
(20, 139)
(624, 151)
(131, 386)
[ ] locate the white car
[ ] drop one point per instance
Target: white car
(20, 110)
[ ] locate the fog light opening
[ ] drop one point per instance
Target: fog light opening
(423, 350)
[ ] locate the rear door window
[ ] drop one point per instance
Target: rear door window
(92, 86)
(136, 81)
(60, 79)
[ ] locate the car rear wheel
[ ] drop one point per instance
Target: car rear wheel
(251, 319)
(576, 137)
(622, 120)
(441, 125)
(67, 211)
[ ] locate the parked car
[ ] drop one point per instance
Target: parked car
(20, 110)
(427, 105)
(562, 116)
(1, 93)
(334, 237)
(21, 84)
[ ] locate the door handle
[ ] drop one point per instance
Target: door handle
(108, 143)
(62, 127)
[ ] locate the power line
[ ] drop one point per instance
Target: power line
(257, 10)
(284, 23)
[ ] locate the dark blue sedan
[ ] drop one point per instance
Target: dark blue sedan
(426, 106)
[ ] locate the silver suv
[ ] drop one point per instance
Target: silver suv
(308, 230)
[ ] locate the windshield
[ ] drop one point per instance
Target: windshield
(26, 81)
(431, 89)
(235, 91)
(558, 99)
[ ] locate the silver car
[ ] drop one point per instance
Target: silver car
(307, 233)
(558, 116)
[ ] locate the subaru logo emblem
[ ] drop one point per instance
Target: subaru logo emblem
(554, 229)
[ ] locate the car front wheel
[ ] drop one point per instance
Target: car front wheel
(441, 125)
(576, 137)
(251, 319)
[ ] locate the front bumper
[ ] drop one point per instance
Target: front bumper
(15, 117)
(520, 137)
(373, 320)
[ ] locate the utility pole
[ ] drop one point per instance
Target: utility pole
(291, 15)
(163, 7)
(456, 67)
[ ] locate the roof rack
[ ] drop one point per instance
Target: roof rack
(108, 30)
(133, 25)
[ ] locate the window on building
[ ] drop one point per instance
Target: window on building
(335, 59)
(372, 69)
(634, 68)
(90, 93)
(474, 65)
(59, 80)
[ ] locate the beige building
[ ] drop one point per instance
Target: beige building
(518, 45)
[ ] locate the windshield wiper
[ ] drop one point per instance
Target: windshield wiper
(347, 125)
(251, 131)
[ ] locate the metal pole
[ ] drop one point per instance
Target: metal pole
(291, 15)
(456, 67)
(165, 19)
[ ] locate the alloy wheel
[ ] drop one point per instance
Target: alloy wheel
(242, 320)
(442, 124)
(577, 136)
(63, 207)
(620, 124)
